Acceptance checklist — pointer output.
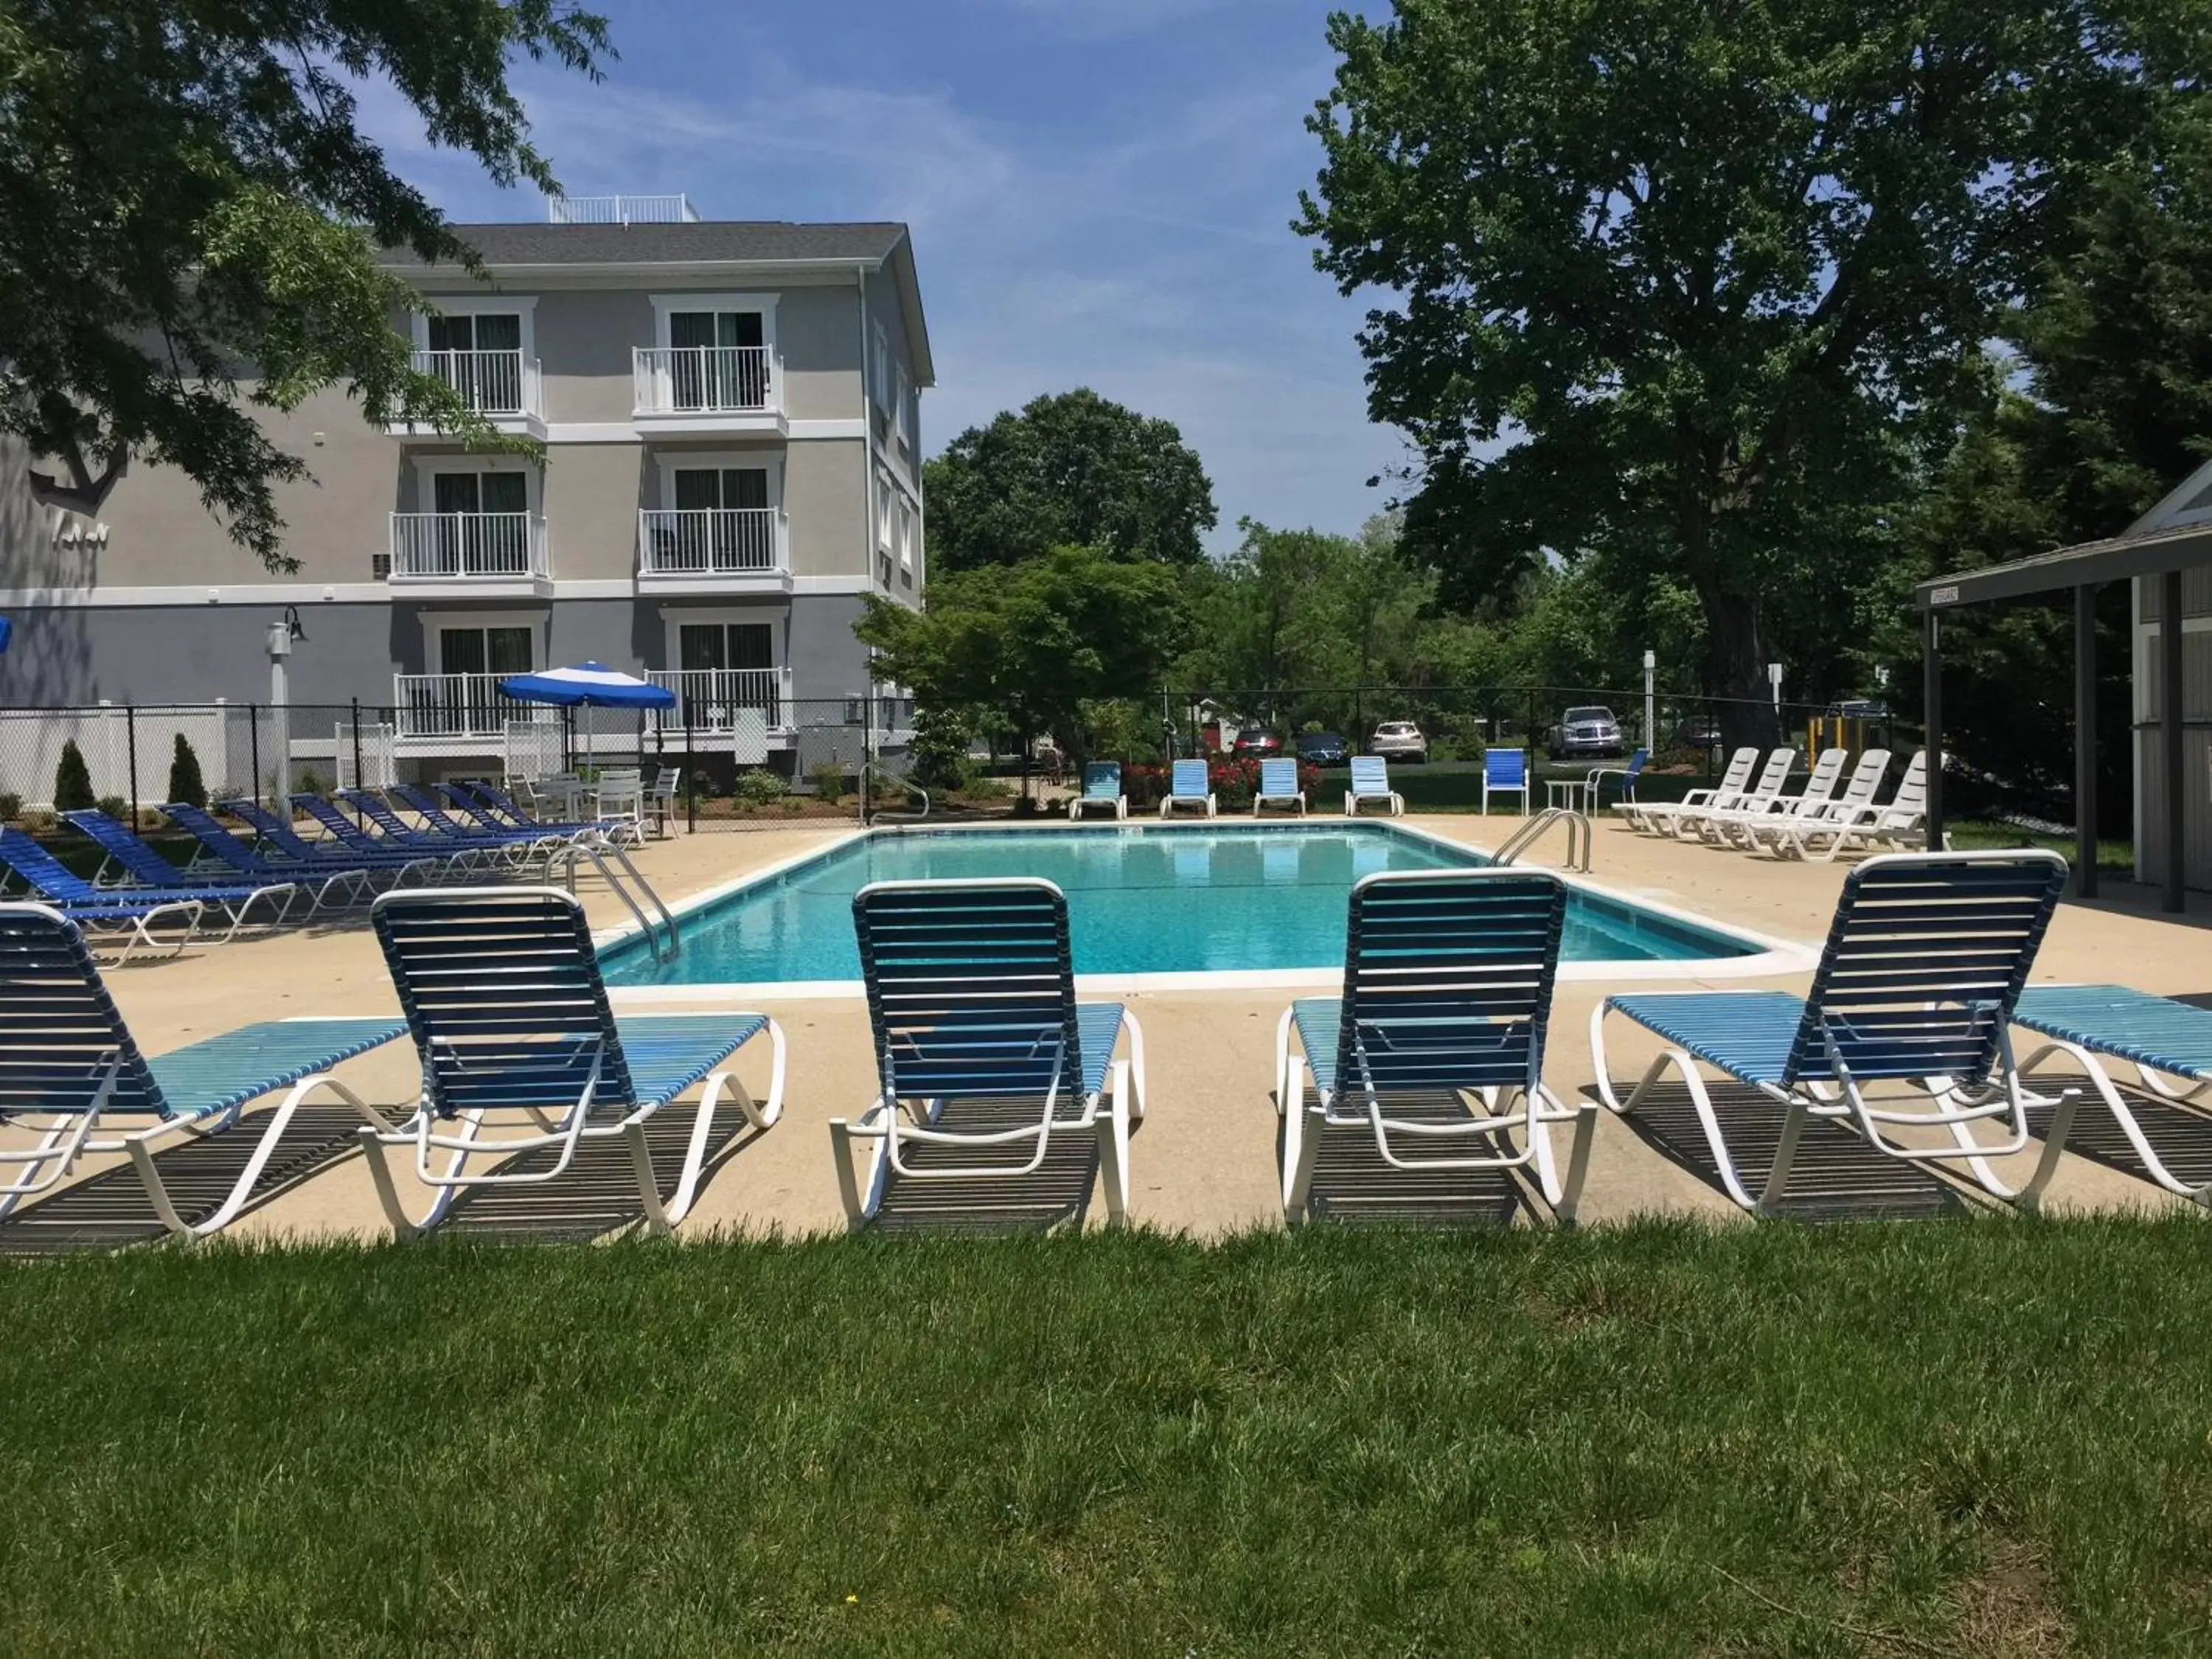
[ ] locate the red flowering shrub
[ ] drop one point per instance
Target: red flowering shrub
(1233, 781)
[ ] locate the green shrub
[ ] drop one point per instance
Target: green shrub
(115, 806)
(72, 780)
(938, 756)
(185, 783)
(11, 806)
(758, 787)
(311, 781)
(828, 778)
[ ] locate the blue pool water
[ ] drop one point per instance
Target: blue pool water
(1141, 900)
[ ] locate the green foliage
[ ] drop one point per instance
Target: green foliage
(1071, 470)
(72, 780)
(311, 781)
(11, 806)
(223, 209)
(116, 807)
(1693, 271)
(757, 786)
(828, 778)
(185, 784)
(938, 756)
(1033, 642)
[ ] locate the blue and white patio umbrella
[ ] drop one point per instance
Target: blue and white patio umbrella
(587, 684)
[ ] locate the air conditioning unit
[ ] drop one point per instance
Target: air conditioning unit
(380, 567)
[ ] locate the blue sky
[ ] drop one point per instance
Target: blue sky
(1100, 192)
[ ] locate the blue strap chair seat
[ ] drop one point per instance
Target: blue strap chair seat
(504, 999)
(971, 993)
(2161, 1039)
(434, 817)
(132, 915)
(1370, 781)
(1187, 786)
(341, 887)
(151, 874)
(1923, 963)
(1102, 786)
(277, 835)
(1278, 781)
(68, 1062)
(1448, 978)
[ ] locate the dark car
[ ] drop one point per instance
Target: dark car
(1258, 742)
(1861, 708)
(1322, 749)
(1699, 731)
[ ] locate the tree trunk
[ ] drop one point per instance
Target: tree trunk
(1735, 668)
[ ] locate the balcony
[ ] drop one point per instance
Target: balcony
(482, 555)
(706, 389)
(502, 386)
(451, 711)
(713, 702)
(713, 550)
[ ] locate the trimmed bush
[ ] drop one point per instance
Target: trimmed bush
(757, 786)
(72, 780)
(11, 807)
(185, 783)
(115, 806)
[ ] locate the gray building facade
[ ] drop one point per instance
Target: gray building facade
(730, 413)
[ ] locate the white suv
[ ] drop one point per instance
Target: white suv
(1400, 740)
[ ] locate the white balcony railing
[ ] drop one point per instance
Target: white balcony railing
(621, 210)
(718, 541)
(467, 546)
(709, 699)
(456, 706)
(700, 380)
(489, 382)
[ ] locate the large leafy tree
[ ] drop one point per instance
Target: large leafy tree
(1032, 644)
(190, 216)
(1692, 283)
(1074, 470)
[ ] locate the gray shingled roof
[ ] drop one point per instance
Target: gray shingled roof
(737, 241)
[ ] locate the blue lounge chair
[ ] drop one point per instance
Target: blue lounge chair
(1102, 786)
(2160, 1039)
(971, 993)
(1923, 963)
(432, 810)
(113, 914)
(276, 834)
(144, 869)
(502, 994)
(1504, 772)
(1187, 787)
(1278, 785)
(459, 858)
(1448, 979)
(504, 811)
(1370, 781)
(327, 887)
(68, 1066)
(505, 850)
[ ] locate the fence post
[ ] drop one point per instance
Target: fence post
(253, 744)
(1529, 739)
(360, 778)
(868, 747)
(130, 744)
(690, 777)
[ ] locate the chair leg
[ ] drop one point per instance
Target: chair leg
(1112, 1125)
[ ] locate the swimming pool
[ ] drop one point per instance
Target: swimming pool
(1259, 901)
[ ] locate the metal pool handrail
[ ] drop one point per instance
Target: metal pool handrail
(1579, 830)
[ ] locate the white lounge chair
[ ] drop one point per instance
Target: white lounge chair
(1370, 781)
(1687, 820)
(1187, 787)
(1791, 831)
(1658, 816)
(1278, 786)
(1900, 823)
(1737, 826)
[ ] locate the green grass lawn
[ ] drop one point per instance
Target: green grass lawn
(2114, 858)
(1981, 1437)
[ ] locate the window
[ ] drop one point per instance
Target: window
(479, 492)
(906, 538)
(886, 499)
(705, 645)
(480, 354)
(483, 650)
(722, 520)
(479, 526)
(731, 488)
(718, 360)
(901, 423)
(880, 382)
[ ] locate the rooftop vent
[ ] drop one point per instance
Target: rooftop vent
(675, 209)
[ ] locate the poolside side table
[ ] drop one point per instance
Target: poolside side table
(1568, 793)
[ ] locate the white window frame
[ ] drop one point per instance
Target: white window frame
(539, 624)
(675, 617)
(879, 382)
(900, 424)
(480, 305)
(428, 467)
(665, 306)
(704, 460)
(906, 518)
(887, 495)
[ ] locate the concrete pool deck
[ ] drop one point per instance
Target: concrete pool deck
(1204, 1160)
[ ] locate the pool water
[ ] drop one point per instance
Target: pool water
(1141, 900)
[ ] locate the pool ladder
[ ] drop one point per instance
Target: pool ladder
(623, 879)
(869, 769)
(1580, 833)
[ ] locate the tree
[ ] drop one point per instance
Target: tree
(185, 784)
(1069, 470)
(186, 200)
(1032, 644)
(1714, 275)
(72, 780)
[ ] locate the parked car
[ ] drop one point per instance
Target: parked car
(1700, 731)
(1859, 709)
(1398, 741)
(1586, 731)
(1322, 749)
(1258, 742)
